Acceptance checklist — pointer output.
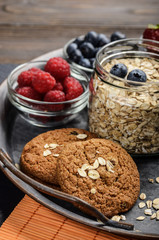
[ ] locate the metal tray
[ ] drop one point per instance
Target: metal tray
(16, 132)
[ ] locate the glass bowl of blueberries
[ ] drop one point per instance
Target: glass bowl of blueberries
(48, 93)
(124, 95)
(81, 51)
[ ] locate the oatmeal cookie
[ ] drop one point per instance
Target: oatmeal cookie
(100, 172)
(39, 156)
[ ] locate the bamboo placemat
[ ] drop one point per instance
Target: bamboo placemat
(32, 221)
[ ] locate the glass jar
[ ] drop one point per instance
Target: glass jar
(121, 110)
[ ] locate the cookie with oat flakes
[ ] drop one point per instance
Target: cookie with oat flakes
(100, 172)
(39, 156)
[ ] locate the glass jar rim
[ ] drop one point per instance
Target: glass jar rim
(103, 73)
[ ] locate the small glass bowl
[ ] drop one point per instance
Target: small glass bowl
(38, 113)
(66, 56)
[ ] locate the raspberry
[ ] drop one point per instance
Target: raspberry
(55, 96)
(58, 86)
(58, 68)
(28, 92)
(43, 82)
(35, 70)
(151, 32)
(72, 88)
(25, 78)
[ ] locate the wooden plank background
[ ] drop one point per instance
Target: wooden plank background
(29, 28)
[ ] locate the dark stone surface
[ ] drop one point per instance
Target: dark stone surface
(10, 195)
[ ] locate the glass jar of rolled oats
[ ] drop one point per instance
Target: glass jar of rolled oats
(122, 110)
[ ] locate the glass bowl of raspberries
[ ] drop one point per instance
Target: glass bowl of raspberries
(48, 93)
(81, 51)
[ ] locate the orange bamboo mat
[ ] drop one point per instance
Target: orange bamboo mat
(32, 221)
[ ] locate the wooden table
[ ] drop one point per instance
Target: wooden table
(33, 27)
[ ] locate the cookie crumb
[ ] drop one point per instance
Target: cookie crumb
(17, 166)
(151, 180)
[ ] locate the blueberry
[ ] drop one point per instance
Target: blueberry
(102, 40)
(119, 70)
(71, 48)
(85, 63)
(92, 60)
(87, 50)
(76, 55)
(91, 37)
(137, 75)
(78, 41)
(117, 36)
(97, 49)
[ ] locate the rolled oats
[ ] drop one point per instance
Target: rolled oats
(140, 218)
(82, 173)
(101, 161)
(93, 190)
(56, 155)
(96, 164)
(148, 212)
(93, 174)
(82, 136)
(109, 166)
(116, 218)
(46, 153)
(142, 205)
(157, 179)
(46, 145)
(53, 145)
(85, 166)
(155, 203)
(149, 203)
(129, 117)
(122, 217)
(142, 196)
(153, 216)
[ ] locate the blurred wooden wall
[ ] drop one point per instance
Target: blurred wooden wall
(29, 28)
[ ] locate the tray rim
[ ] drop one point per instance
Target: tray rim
(19, 184)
